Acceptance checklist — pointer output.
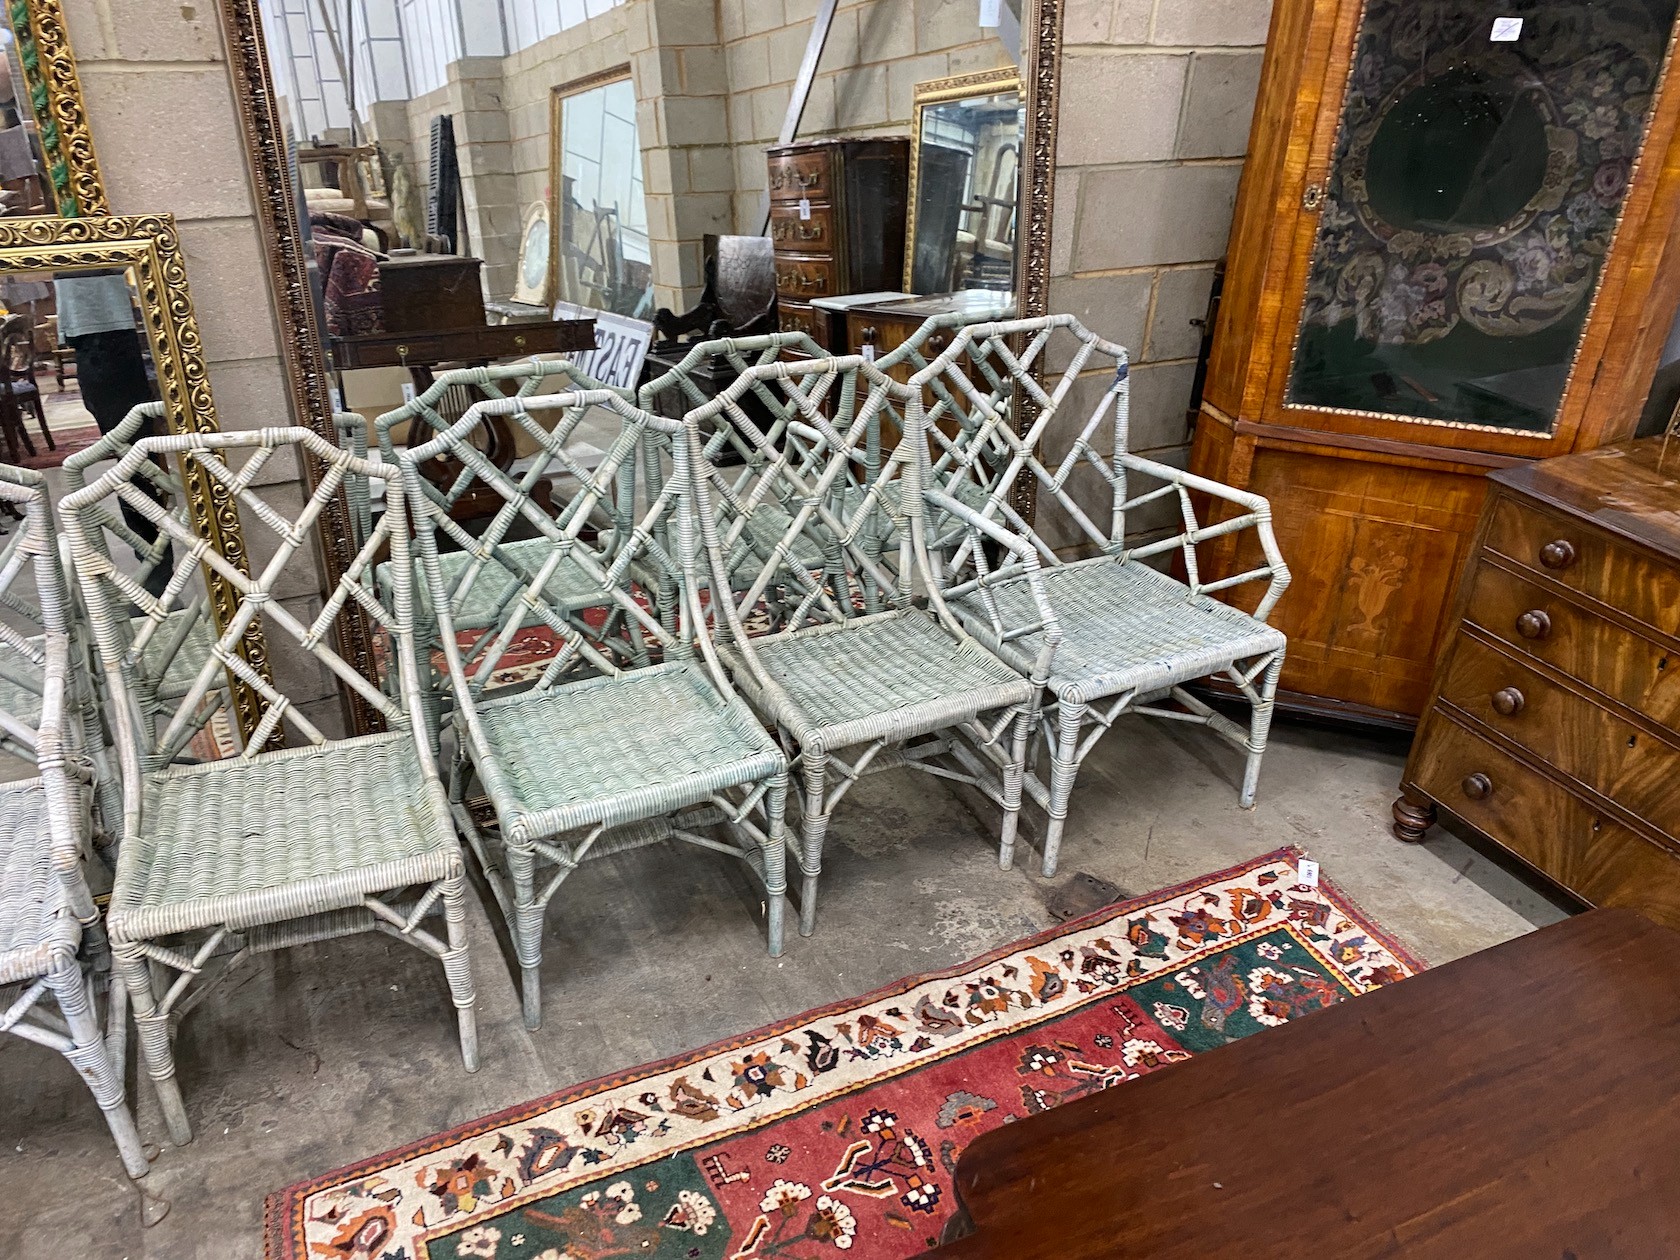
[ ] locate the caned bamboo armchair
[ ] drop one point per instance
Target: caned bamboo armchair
(1133, 636)
(849, 671)
(274, 847)
(629, 734)
(51, 943)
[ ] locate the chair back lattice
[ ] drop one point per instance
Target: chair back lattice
(811, 528)
(1079, 429)
(598, 583)
(34, 611)
(126, 617)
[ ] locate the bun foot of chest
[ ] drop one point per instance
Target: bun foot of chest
(1412, 818)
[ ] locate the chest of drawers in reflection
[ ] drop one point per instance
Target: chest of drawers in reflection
(1553, 726)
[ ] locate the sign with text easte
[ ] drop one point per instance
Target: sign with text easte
(621, 345)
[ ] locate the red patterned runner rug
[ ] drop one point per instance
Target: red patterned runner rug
(838, 1131)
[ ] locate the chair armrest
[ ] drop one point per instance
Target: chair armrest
(1256, 515)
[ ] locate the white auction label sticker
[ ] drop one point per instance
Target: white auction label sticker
(408, 391)
(1506, 30)
(990, 14)
(869, 354)
(804, 207)
(1309, 872)
(337, 399)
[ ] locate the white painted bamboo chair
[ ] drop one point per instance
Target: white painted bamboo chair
(1133, 635)
(851, 673)
(624, 733)
(51, 942)
(270, 848)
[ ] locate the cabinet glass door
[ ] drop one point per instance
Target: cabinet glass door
(1480, 167)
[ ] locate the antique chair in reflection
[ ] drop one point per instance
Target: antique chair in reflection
(1133, 636)
(19, 392)
(739, 299)
(276, 846)
(51, 943)
(846, 667)
(614, 730)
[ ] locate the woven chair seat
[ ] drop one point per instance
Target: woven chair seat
(23, 703)
(1124, 627)
(617, 749)
(569, 589)
(36, 926)
(325, 823)
(895, 674)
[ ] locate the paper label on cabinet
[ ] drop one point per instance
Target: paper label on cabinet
(804, 207)
(1506, 30)
(868, 354)
(408, 391)
(990, 14)
(1309, 872)
(337, 398)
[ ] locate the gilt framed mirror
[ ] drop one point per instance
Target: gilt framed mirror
(118, 287)
(965, 175)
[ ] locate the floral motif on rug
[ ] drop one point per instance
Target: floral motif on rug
(839, 1130)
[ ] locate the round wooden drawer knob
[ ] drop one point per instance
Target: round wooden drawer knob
(1534, 624)
(1558, 555)
(1478, 787)
(1508, 701)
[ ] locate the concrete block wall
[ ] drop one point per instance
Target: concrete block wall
(1156, 101)
(877, 51)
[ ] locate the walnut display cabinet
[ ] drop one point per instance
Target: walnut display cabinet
(1452, 253)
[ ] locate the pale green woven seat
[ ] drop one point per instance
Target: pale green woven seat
(37, 929)
(570, 588)
(579, 757)
(301, 819)
(847, 683)
(1124, 626)
(181, 670)
(22, 701)
(1132, 637)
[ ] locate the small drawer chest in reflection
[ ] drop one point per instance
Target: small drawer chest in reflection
(1553, 727)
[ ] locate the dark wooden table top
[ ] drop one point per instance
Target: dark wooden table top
(1520, 1103)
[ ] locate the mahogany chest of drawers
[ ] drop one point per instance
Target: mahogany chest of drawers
(1553, 725)
(837, 210)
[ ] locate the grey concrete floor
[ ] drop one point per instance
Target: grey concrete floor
(320, 1056)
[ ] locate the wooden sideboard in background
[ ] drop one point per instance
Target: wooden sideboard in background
(1553, 726)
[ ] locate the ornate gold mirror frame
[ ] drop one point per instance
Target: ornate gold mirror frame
(55, 99)
(146, 247)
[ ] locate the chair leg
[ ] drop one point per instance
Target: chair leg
(527, 929)
(1259, 727)
(1012, 775)
(813, 826)
(41, 420)
(152, 1031)
(458, 968)
(1064, 767)
(89, 1056)
(774, 850)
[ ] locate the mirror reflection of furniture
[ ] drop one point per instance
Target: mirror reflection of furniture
(1461, 280)
(348, 182)
(837, 220)
(965, 183)
(18, 390)
(739, 299)
(602, 254)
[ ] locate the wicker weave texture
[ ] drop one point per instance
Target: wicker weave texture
(36, 925)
